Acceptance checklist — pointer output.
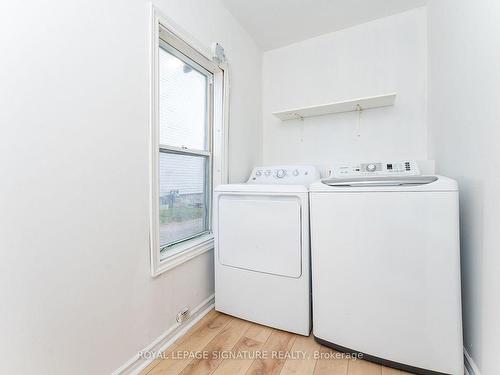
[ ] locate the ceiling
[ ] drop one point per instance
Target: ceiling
(277, 23)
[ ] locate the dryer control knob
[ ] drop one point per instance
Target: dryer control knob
(280, 173)
(371, 167)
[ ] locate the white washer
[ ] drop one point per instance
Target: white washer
(386, 266)
(262, 267)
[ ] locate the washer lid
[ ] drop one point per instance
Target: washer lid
(385, 183)
(379, 181)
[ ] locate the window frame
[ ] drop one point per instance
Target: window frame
(216, 170)
(165, 39)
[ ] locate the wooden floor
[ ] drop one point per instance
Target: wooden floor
(226, 345)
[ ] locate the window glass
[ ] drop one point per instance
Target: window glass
(183, 103)
(183, 197)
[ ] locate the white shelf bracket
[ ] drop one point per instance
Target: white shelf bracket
(298, 117)
(359, 110)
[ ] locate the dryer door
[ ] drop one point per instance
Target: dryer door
(260, 232)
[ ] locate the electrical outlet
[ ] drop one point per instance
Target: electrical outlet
(183, 314)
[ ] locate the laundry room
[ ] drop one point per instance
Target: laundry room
(249, 187)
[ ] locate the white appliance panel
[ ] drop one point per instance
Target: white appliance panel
(260, 233)
(385, 275)
(284, 175)
(372, 169)
(279, 302)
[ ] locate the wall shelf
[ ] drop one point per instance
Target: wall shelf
(337, 107)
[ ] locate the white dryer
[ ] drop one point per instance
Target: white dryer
(386, 266)
(262, 267)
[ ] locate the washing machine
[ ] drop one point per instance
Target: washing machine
(262, 252)
(386, 266)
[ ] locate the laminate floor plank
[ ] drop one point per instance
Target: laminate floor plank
(210, 315)
(178, 357)
(278, 343)
(331, 362)
(361, 367)
(222, 343)
(304, 356)
(245, 351)
(230, 346)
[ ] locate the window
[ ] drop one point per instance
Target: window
(187, 149)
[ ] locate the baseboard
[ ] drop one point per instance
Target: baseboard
(136, 364)
(470, 366)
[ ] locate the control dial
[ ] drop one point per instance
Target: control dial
(371, 167)
(280, 173)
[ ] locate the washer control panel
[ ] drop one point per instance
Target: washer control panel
(388, 168)
(284, 174)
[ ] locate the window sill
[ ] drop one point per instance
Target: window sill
(185, 252)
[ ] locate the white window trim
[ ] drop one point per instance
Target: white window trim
(187, 250)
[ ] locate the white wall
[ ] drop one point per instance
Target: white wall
(464, 117)
(382, 56)
(76, 292)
